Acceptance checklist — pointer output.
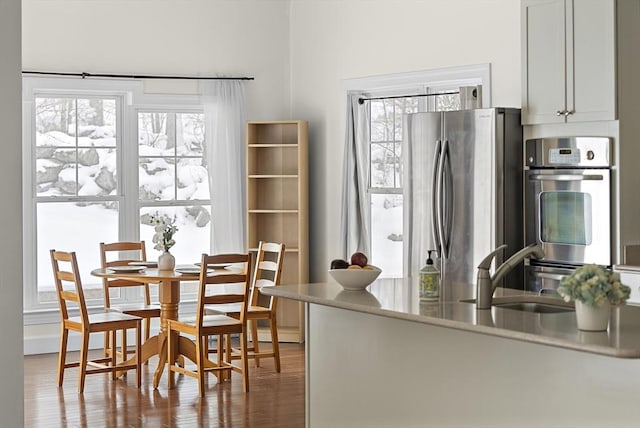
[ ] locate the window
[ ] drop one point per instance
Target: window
(385, 187)
(76, 181)
(101, 157)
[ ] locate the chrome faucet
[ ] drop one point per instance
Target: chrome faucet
(486, 284)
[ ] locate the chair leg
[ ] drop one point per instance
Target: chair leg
(139, 354)
(114, 354)
(124, 345)
(200, 365)
(107, 346)
(147, 333)
(254, 340)
(244, 361)
(84, 354)
(228, 354)
(220, 350)
(170, 363)
(275, 343)
(62, 354)
(227, 347)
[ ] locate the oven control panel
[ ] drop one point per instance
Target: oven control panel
(591, 152)
(564, 156)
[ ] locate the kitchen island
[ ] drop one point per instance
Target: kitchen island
(383, 358)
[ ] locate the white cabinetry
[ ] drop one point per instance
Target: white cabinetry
(568, 61)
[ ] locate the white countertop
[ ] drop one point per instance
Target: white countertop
(398, 298)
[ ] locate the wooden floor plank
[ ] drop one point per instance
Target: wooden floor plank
(275, 400)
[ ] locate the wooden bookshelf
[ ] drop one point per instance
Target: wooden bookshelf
(277, 207)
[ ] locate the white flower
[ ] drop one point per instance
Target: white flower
(165, 229)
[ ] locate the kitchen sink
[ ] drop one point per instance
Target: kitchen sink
(540, 308)
(537, 304)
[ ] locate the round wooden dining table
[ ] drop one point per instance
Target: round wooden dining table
(169, 296)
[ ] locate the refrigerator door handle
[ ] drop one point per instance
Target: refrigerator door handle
(440, 201)
(447, 199)
(435, 197)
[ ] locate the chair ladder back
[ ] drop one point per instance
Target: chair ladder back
(268, 270)
(242, 277)
(107, 262)
(68, 276)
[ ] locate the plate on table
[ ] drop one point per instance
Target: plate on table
(214, 265)
(127, 269)
(145, 264)
(190, 270)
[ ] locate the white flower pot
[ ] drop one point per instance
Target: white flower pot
(166, 261)
(592, 318)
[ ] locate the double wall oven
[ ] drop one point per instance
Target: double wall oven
(567, 206)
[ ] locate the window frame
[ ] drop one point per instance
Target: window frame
(132, 98)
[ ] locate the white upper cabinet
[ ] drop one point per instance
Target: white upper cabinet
(568, 61)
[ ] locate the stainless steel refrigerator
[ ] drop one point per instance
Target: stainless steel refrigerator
(462, 193)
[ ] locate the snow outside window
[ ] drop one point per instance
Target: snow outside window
(76, 184)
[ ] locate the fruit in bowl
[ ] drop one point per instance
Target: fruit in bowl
(355, 276)
(359, 259)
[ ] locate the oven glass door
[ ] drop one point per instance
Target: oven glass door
(568, 211)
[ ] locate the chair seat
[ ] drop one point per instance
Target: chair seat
(210, 321)
(139, 310)
(222, 309)
(234, 310)
(106, 317)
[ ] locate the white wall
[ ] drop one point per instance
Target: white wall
(11, 387)
(332, 40)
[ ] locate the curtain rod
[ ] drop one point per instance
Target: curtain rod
(133, 76)
(362, 100)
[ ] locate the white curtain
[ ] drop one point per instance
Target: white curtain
(225, 118)
(355, 224)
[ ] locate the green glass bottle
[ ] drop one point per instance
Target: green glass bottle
(429, 280)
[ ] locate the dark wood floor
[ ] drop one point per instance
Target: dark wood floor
(275, 400)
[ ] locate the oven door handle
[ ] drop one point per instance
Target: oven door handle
(545, 275)
(566, 177)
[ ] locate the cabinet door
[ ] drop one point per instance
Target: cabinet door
(591, 76)
(543, 61)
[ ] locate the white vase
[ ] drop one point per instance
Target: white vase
(166, 261)
(592, 318)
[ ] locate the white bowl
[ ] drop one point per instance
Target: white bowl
(355, 279)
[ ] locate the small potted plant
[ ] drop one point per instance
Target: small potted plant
(163, 238)
(594, 290)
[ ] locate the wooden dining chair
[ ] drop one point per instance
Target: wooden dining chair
(85, 324)
(268, 273)
(213, 290)
(110, 256)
